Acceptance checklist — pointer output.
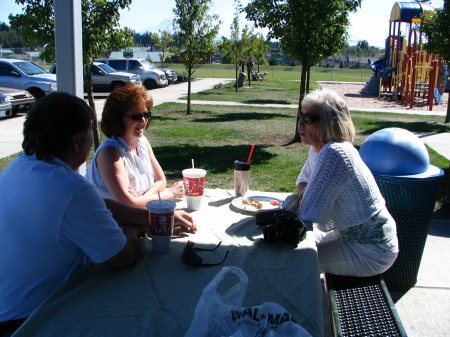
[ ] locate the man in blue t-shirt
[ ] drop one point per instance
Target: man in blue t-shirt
(52, 221)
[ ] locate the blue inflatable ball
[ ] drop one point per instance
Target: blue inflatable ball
(395, 151)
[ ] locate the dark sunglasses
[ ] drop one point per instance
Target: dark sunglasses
(138, 115)
(191, 255)
(308, 118)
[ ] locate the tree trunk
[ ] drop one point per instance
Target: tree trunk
(188, 111)
(297, 137)
(308, 75)
(237, 68)
(88, 86)
(447, 117)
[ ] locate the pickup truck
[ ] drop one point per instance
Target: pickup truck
(105, 78)
(150, 75)
(20, 74)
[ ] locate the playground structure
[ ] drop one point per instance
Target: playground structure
(408, 72)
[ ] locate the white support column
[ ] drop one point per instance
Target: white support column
(69, 46)
(69, 49)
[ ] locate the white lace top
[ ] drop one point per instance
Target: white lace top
(138, 167)
(341, 192)
(309, 166)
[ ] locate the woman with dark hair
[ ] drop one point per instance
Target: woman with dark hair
(124, 167)
(52, 221)
(338, 196)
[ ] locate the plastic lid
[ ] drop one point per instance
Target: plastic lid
(193, 173)
(241, 165)
(161, 206)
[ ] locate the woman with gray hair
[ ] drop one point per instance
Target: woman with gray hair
(338, 196)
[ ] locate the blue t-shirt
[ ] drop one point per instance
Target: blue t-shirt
(52, 221)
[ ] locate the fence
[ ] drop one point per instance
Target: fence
(228, 70)
(278, 72)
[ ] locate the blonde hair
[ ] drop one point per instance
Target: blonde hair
(335, 121)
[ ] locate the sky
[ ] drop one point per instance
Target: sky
(370, 22)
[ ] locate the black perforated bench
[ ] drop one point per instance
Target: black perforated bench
(362, 307)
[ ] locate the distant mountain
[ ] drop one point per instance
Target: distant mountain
(165, 24)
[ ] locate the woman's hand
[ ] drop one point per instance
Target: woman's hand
(175, 192)
(177, 189)
(185, 220)
(300, 189)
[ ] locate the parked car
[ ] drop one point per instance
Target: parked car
(170, 74)
(5, 106)
(21, 100)
(26, 75)
(150, 75)
(105, 78)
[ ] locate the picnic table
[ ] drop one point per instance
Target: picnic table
(158, 295)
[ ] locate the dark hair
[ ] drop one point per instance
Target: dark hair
(117, 103)
(52, 123)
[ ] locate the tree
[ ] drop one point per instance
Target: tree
(142, 39)
(436, 26)
(247, 49)
(309, 30)
(196, 30)
(100, 20)
(235, 45)
(260, 49)
(162, 42)
(9, 38)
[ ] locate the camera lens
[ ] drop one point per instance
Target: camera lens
(270, 233)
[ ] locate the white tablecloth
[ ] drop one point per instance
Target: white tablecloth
(158, 295)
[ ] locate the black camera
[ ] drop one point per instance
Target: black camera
(281, 226)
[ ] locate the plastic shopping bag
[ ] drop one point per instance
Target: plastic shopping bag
(218, 315)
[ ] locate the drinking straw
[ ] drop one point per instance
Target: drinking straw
(192, 160)
(250, 154)
(159, 197)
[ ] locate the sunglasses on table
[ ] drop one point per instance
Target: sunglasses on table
(138, 115)
(199, 256)
(308, 118)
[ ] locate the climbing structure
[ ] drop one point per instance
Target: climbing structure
(411, 73)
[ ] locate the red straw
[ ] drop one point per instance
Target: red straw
(250, 154)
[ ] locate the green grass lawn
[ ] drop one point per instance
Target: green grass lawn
(214, 135)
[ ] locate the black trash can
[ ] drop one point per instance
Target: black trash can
(399, 162)
(410, 200)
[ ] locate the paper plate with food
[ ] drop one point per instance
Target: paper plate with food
(257, 203)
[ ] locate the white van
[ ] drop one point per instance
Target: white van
(150, 76)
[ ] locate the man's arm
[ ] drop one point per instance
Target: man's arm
(127, 256)
(127, 215)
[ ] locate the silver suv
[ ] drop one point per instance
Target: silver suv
(26, 75)
(151, 77)
(105, 78)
